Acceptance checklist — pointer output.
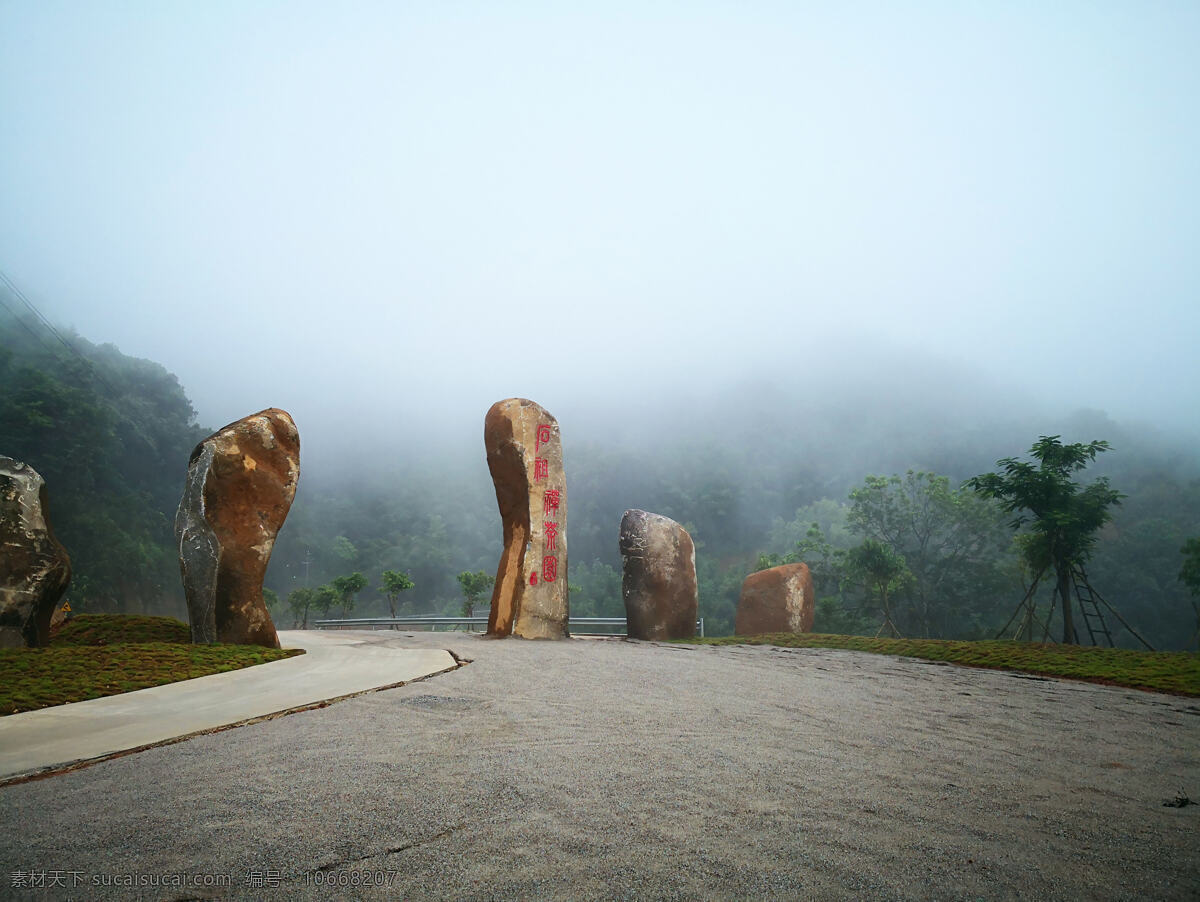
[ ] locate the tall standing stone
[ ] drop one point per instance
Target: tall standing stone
(659, 580)
(778, 600)
(240, 484)
(34, 567)
(524, 455)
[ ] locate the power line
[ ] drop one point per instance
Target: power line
(20, 295)
(28, 328)
(28, 303)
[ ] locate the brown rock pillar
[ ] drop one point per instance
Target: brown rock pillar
(240, 484)
(778, 600)
(34, 567)
(524, 455)
(659, 579)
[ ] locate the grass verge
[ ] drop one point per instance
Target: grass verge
(95, 655)
(1158, 671)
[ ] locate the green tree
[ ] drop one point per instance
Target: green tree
(882, 571)
(824, 547)
(1189, 575)
(473, 586)
(395, 582)
(1063, 516)
(325, 598)
(826, 563)
(595, 590)
(346, 587)
(720, 586)
(344, 549)
(953, 541)
(299, 603)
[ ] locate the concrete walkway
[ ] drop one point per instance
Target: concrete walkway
(335, 665)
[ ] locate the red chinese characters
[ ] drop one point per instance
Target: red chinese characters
(550, 502)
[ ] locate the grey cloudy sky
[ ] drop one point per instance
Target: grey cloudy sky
(393, 209)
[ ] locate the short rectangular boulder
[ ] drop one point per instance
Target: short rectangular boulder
(778, 600)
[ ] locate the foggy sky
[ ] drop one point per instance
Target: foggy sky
(384, 217)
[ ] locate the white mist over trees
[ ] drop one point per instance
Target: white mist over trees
(113, 434)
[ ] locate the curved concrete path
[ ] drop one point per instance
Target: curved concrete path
(335, 665)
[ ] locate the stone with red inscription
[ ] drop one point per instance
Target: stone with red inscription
(240, 484)
(778, 600)
(659, 580)
(34, 567)
(524, 455)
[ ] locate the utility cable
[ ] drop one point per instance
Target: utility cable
(93, 369)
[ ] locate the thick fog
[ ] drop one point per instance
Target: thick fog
(706, 218)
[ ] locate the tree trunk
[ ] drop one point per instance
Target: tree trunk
(887, 613)
(1064, 594)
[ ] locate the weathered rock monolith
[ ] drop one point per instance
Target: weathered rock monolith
(34, 567)
(240, 484)
(524, 454)
(659, 581)
(778, 600)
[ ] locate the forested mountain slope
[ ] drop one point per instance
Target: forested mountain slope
(112, 434)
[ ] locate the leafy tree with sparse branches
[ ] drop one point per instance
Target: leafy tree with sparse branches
(473, 586)
(395, 582)
(299, 602)
(882, 571)
(325, 598)
(1063, 517)
(346, 587)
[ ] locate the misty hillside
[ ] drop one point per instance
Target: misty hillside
(748, 468)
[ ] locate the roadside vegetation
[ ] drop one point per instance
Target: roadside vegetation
(1158, 671)
(94, 655)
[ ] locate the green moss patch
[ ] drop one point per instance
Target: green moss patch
(1159, 671)
(114, 629)
(95, 655)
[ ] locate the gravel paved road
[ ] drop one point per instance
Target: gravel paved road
(615, 769)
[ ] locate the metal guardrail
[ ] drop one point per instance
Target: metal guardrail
(579, 626)
(417, 621)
